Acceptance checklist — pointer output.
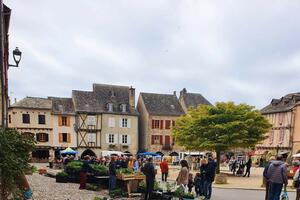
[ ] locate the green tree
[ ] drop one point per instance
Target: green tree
(220, 128)
(14, 155)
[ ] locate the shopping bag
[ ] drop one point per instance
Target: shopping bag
(284, 196)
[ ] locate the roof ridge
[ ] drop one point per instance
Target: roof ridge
(156, 93)
(111, 85)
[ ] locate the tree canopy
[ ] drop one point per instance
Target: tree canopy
(220, 127)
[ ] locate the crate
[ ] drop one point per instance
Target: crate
(125, 177)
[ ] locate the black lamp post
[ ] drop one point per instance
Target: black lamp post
(17, 54)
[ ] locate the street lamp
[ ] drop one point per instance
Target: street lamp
(17, 54)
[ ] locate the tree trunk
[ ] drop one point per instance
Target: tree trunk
(218, 161)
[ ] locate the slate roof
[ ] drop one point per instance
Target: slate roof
(283, 104)
(193, 99)
(162, 104)
(33, 103)
(62, 105)
(96, 101)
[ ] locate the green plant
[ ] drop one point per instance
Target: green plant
(34, 169)
(188, 195)
(170, 186)
(125, 171)
(97, 198)
(14, 154)
(61, 174)
(99, 170)
(157, 186)
(117, 193)
(179, 192)
(91, 187)
(74, 167)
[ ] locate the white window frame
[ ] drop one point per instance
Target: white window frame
(111, 139)
(91, 137)
(123, 107)
(124, 122)
(111, 122)
(91, 120)
(110, 107)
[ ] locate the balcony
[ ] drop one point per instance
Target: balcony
(167, 147)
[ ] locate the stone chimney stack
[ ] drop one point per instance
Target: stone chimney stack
(174, 93)
(132, 97)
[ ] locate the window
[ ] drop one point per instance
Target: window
(124, 139)
(26, 118)
(42, 137)
(64, 121)
(156, 139)
(91, 120)
(168, 124)
(155, 124)
(91, 139)
(173, 123)
(281, 136)
(9, 118)
(123, 107)
(111, 122)
(111, 138)
(64, 137)
(110, 107)
(42, 119)
(124, 122)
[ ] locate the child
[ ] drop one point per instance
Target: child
(197, 183)
(191, 182)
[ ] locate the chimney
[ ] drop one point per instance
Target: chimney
(15, 100)
(183, 92)
(131, 97)
(174, 93)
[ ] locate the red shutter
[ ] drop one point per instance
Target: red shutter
(161, 139)
(161, 124)
(152, 138)
(173, 123)
(152, 124)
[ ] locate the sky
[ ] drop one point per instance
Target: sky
(243, 51)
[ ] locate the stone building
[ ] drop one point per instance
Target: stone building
(158, 113)
(284, 115)
(106, 119)
(188, 100)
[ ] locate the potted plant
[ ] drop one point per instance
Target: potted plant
(117, 193)
(61, 177)
(188, 196)
(99, 170)
(125, 174)
(73, 168)
(91, 187)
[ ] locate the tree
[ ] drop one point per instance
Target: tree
(220, 128)
(14, 155)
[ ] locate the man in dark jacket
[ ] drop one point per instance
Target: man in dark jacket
(210, 177)
(248, 167)
(265, 177)
(277, 176)
(112, 173)
(149, 171)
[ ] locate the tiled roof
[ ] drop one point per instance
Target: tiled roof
(97, 100)
(162, 104)
(283, 104)
(193, 99)
(62, 105)
(34, 103)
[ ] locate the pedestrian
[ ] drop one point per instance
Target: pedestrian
(130, 163)
(203, 169)
(296, 180)
(112, 173)
(136, 165)
(197, 183)
(150, 173)
(265, 178)
(164, 167)
(85, 168)
(210, 177)
(233, 165)
(191, 182)
(277, 176)
(248, 167)
(183, 176)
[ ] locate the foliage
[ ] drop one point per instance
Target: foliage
(91, 187)
(179, 192)
(14, 154)
(99, 198)
(117, 193)
(61, 174)
(221, 127)
(157, 186)
(125, 171)
(188, 195)
(170, 186)
(34, 169)
(74, 167)
(99, 170)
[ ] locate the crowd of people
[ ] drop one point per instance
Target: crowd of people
(237, 166)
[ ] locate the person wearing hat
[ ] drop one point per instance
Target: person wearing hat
(83, 172)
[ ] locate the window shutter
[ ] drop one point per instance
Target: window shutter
(152, 124)
(111, 122)
(161, 124)
(161, 139)
(60, 137)
(68, 120)
(173, 123)
(120, 139)
(69, 138)
(152, 138)
(59, 121)
(46, 137)
(107, 138)
(129, 123)
(116, 139)
(38, 137)
(128, 139)
(120, 122)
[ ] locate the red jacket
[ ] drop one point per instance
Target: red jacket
(164, 167)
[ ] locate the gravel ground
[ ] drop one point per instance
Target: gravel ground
(45, 188)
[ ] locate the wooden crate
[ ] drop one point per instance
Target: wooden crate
(125, 177)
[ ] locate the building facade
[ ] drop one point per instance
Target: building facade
(158, 113)
(188, 100)
(284, 115)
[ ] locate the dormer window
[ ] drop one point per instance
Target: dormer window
(110, 107)
(123, 107)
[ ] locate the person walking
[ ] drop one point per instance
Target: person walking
(83, 172)
(296, 180)
(265, 177)
(112, 167)
(203, 169)
(164, 167)
(210, 177)
(248, 167)
(191, 182)
(183, 176)
(149, 171)
(277, 176)
(197, 183)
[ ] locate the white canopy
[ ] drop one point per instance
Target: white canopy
(297, 155)
(109, 153)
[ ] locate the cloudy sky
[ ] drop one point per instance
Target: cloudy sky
(242, 51)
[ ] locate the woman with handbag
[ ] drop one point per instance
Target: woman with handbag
(296, 184)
